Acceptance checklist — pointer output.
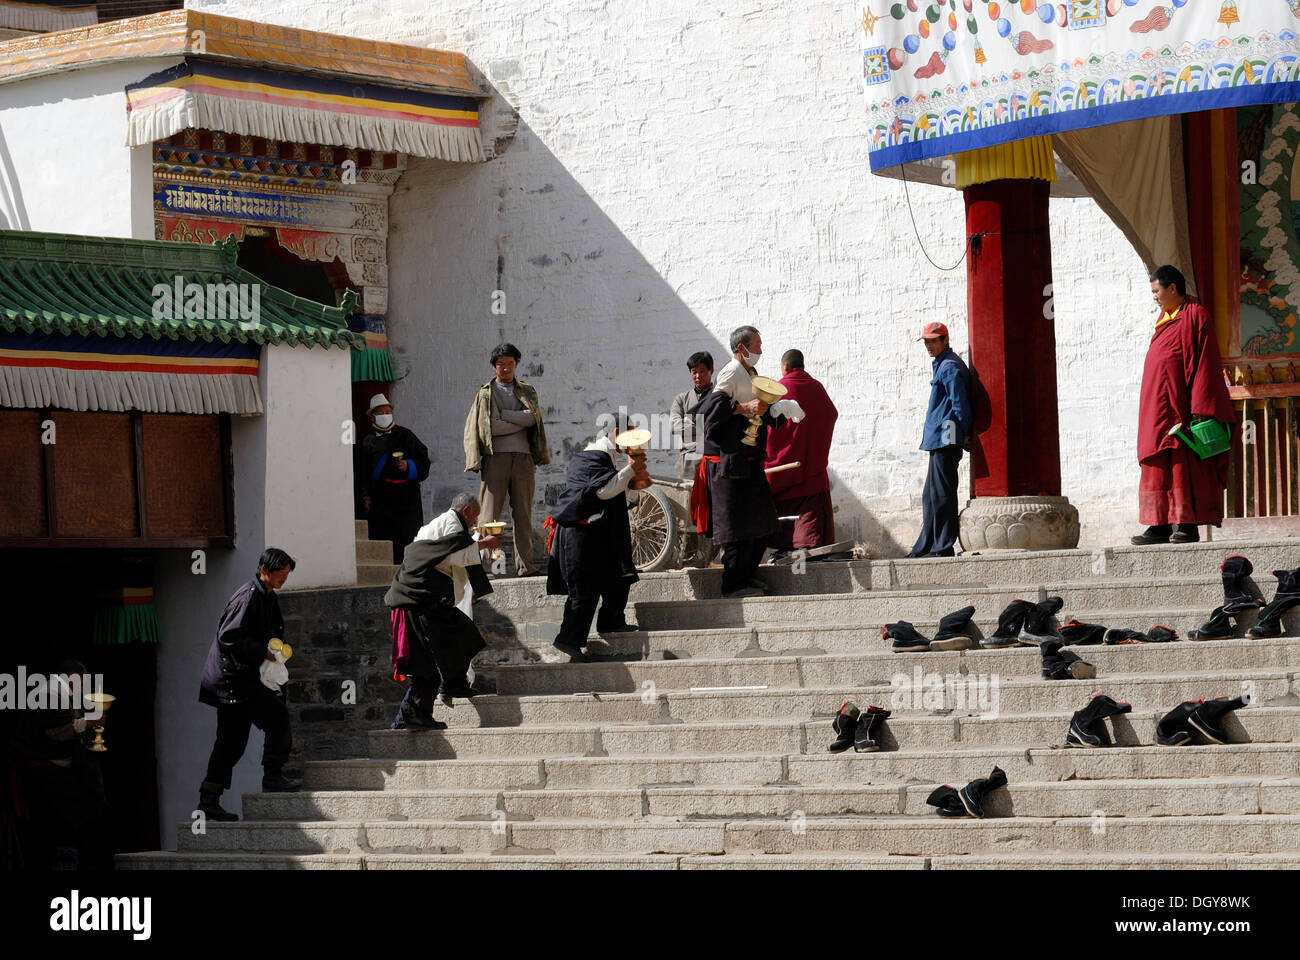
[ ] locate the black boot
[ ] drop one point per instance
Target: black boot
(1081, 634)
(1205, 718)
(972, 795)
(1238, 594)
(846, 721)
(864, 736)
(274, 781)
(1161, 634)
(1060, 664)
(210, 802)
(1157, 534)
(952, 631)
(948, 800)
(904, 636)
(1186, 533)
(1216, 628)
(1010, 621)
(1038, 623)
(1286, 597)
(1173, 729)
(1122, 635)
(1086, 727)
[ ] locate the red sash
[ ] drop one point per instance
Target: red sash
(549, 526)
(700, 495)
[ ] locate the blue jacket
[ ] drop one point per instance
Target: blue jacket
(949, 403)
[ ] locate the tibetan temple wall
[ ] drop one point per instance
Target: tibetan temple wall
(683, 168)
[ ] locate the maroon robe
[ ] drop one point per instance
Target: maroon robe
(804, 491)
(1182, 379)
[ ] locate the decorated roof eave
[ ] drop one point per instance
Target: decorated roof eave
(887, 161)
(125, 272)
(190, 33)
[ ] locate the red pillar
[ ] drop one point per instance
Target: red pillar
(1012, 340)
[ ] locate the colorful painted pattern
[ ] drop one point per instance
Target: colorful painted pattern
(310, 109)
(964, 74)
(115, 355)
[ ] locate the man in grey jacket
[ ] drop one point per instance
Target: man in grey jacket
(684, 424)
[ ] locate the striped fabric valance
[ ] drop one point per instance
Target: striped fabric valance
(374, 362)
(109, 373)
(301, 108)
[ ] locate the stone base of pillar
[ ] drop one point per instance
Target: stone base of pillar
(1019, 523)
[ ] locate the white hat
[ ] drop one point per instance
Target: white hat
(378, 400)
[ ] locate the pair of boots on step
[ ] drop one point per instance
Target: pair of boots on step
(1087, 728)
(1084, 634)
(1025, 622)
(1061, 664)
(857, 728)
(952, 633)
(1241, 596)
(1201, 716)
(969, 800)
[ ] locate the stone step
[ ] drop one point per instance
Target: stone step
(1255, 725)
(872, 608)
(914, 836)
(374, 551)
(1074, 798)
(915, 693)
(361, 529)
(878, 663)
(375, 574)
(947, 765)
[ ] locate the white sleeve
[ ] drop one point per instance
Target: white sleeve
(617, 484)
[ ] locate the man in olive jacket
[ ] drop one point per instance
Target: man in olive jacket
(505, 441)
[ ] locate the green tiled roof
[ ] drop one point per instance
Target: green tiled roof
(103, 286)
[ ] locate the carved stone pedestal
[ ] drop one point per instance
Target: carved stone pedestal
(1019, 523)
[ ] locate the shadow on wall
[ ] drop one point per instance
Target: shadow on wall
(598, 325)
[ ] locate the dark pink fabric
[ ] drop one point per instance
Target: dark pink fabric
(808, 442)
(401, 643)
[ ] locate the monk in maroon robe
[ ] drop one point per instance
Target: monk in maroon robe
(805, 491)
(1182, 382)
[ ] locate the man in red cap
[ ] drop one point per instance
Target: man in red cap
(948, 424)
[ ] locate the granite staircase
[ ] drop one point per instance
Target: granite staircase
(700, 741)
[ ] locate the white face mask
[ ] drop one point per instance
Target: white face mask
(383, 420)
(751, 359)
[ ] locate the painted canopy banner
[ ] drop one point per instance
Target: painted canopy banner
(302, 108)
(91, 373)
(946, 76)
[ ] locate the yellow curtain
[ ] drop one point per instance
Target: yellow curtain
(1028, 159)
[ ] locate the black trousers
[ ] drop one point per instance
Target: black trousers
(740, 562)
(262, 709)
(580, 610)
(420, 692)
(939, 504)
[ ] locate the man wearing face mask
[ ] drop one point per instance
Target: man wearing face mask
(390, 463)
(731, 499)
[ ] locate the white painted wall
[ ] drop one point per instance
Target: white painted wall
(683, 167)
(64, 165)
(308, 466)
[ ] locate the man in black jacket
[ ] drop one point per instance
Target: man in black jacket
(232, 683)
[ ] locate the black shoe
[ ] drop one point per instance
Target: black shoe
(1010, 621)
(1217, 627)
(210, 803)
(904, 636)
(1161, 634)
(575, 653)
(1059, 664)
(1081, 634)
(760, 585)
(1186, 533)
(621, 628)
(1086, 727)
(1239, 593)
(948, 800)
(279, 783)
(869, 721)
(972, 795)
(1285, 598)
(952, 631)
(1158, 534)
(1173, 729)
(846, 721)
(746, 590)
(1123, 635)
(462, 691)
(1037, 628)
(1205, 718)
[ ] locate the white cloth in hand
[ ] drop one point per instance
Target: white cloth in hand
(788, 408)
(274, 673)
